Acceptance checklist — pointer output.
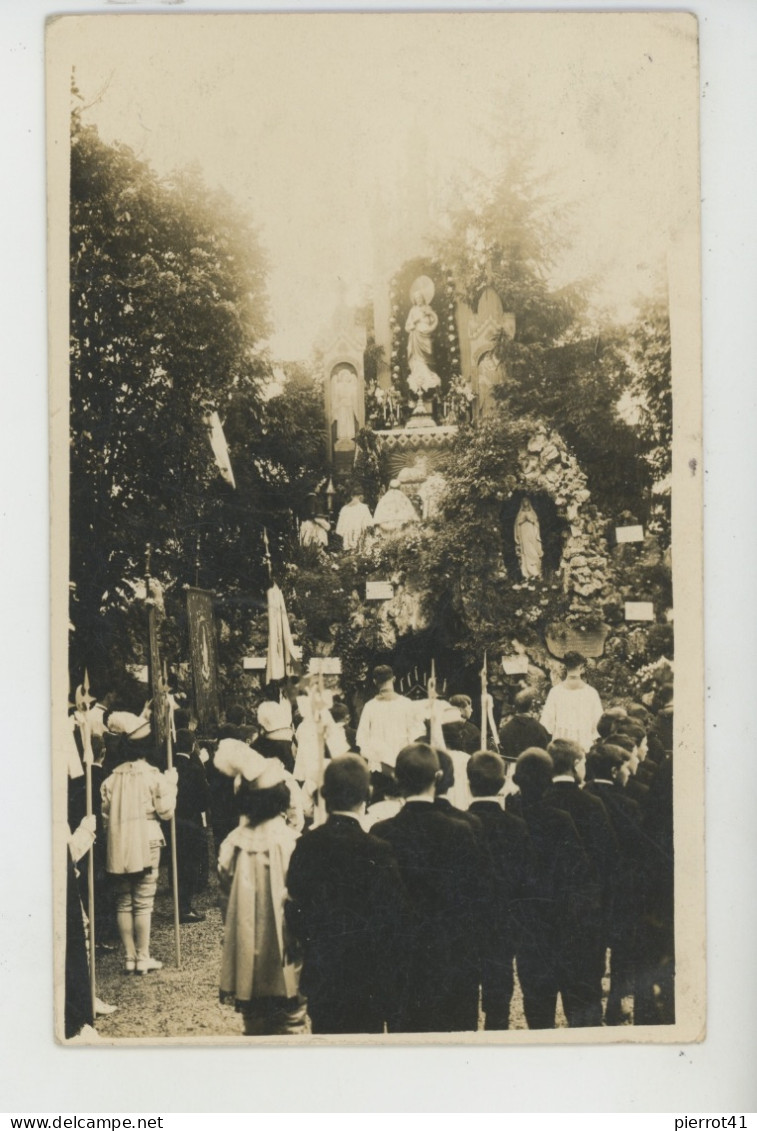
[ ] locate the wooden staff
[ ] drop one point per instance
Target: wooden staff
(317, 700)
(435, 732)
(84, 701)
(484, 705)
(170, 734)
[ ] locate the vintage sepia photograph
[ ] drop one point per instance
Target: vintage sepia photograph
(376, 499)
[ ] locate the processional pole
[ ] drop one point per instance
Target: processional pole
(163, 714)
(317, 703)
(83, 702)
(436, 734)
(484, 705)
(170, 735)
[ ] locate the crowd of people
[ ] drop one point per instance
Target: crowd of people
(398, 877)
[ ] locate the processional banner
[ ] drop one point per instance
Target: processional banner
(203, 652)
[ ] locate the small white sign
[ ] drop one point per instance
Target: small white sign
(515, 665)
(629, 534)
(325, 665)
(379, 590)
(254, 663)
(639, 610)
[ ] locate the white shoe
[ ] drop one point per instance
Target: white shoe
(102, 1009)
(130, 965)
(144, 965)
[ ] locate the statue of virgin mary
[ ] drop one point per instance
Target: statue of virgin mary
(528, 540)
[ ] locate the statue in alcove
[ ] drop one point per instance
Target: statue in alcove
(344, 401)
(528, 540)
(489, 375)
(421, 323)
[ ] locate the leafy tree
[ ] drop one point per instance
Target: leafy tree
(651, 383)
(168, 311)
(560, 367)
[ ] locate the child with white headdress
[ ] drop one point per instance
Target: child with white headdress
(256, 971)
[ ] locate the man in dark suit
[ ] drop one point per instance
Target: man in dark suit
(603, 764)
(600, 844)
(440, 863)
(462, 734)
(346, 908)
(551, 954)
(522, 729)
(509, 859)
(192, 807)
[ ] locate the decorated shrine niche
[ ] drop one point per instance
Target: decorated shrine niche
(486, 370)
(345, 419)
(533, 535)
(425, 353)
(344, 386)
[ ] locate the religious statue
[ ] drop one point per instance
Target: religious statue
(394, 509)
(315, 532)
(528, 540)
(489, 375)
(354, 520)
(344, 401)
(421, 324)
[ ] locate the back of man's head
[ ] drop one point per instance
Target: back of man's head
(236, 715)
(346, 783)
(633, 729)
(486, 774)
(382, 674)
(616, 752)
(638, 712)
(462, 702)
(181, 718)
(524, 701)
(340, 712)
(447, 766)
(623, 740)
(607, 725)
(416, 769)
(533, 773)
(565, 755)
(603, 762)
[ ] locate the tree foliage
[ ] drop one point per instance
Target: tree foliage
(560, 367)
(168, 316)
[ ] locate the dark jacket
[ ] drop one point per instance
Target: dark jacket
(593, 826)
(559, 893)
(441, 863)
(193, 792)
(510, 862)
(627, 883)
(347, 907)
(462, 735)
(520, 732)
(445, 806)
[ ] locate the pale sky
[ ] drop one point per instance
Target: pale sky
(305, 118)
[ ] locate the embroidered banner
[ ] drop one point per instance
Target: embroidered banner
(203, 652)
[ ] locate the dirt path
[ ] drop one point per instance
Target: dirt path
(184, 1002)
